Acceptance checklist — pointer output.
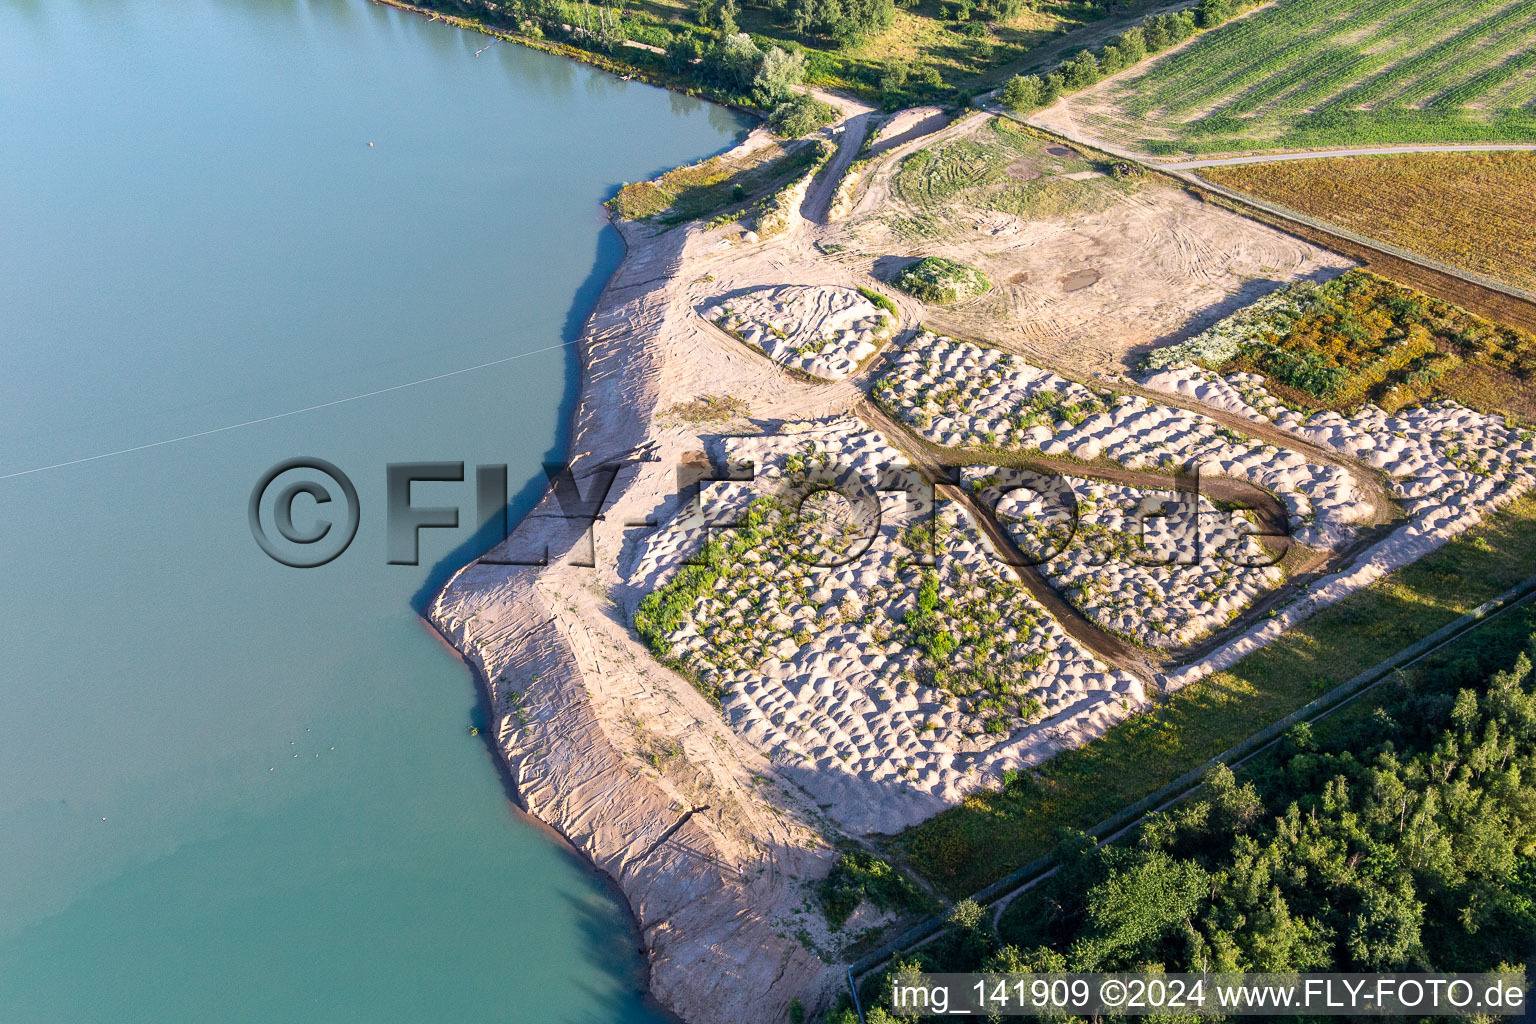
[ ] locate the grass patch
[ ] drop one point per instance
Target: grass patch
(859, 877)
(934, 279)
(1470, 210)
(709, 409)
(1008, 168)
(883, 302)
(800, 115)
(712, 186)
(991, 834)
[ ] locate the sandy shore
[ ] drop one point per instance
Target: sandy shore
(705, 349)
(709, 845)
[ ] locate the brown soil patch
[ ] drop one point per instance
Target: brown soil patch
(1060, 151)
(1024, 169)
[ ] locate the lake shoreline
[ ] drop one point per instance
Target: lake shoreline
(713, 883)
(628, 72)
(718, 944)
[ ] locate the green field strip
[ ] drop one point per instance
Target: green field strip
(1341, 65)
(1221, 62)
(1489, 80)
(1427, 43)
(1518, 94)
(1215, 68)
(1421, 52)
(1460, 57)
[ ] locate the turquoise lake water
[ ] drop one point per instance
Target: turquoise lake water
(230, 790)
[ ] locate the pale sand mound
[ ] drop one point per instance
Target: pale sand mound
(1449, 466)
(955, 393)
(1446, 462)
(1152, 566)
(819, 671)
(823, 331)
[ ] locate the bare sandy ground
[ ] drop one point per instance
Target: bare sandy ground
(1086, 293)
(711, 834)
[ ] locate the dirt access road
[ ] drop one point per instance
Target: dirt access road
(1319, 154)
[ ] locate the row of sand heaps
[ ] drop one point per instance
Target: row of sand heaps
(823, 331)
(956, 393)
(885, 687)
(1448, 464)
(1160, 568)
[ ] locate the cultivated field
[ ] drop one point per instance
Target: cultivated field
(1470, 210)
(1360, 337)
(1313, 73)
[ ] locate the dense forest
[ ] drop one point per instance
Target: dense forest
(1401, 841)
(945, 51)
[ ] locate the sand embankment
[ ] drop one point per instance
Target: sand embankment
(624, 759)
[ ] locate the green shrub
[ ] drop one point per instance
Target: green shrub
(860, 877)
(800, 115)
(879, 300)
(937, 280)
(1023, 92)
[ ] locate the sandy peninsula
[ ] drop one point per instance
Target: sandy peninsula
(782, 709)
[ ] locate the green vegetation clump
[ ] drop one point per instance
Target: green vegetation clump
(664, 610)
(1361, 337)
(800, 115)
(860, 877)
(880, 301)
(706, 188)
(1403, 843)
(936, 280)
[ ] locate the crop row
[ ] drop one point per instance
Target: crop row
(1477, 47)
(1427, 45)
(1223, 63)
(1334, 67)
(1298, 63)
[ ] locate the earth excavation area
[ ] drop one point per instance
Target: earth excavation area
(885, 686)
(991, 561)
(854, 622)
(1159, 568)
(824, 332)
(958, 394)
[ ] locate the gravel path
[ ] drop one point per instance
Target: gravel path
(1269, 158)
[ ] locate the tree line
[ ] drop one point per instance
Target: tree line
(1404, 839)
